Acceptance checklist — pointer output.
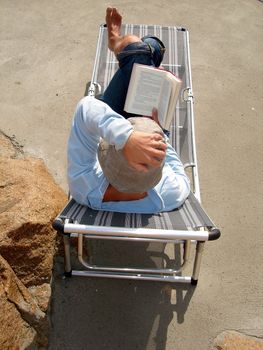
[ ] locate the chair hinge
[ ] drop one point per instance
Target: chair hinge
(187, 94)
(93, 89)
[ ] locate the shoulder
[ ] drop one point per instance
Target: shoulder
(91, 101)
(92, 106)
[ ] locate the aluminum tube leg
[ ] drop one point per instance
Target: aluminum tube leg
(80, 248)
(197, 262)
(187, 246)
(67, 262)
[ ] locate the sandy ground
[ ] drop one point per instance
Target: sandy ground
(46, 58)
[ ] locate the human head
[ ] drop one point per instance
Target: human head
(119, 172)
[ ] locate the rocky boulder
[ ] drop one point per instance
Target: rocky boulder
(29, 201)
(233, 340)
(23, 323)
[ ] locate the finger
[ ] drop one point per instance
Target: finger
(156, 150)
(156, 159)
(161, 145)
(157, 137)
(153, 152)
(155, 162)
(159, 153)
(140, 167)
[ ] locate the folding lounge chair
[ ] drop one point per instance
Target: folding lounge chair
(185, 227)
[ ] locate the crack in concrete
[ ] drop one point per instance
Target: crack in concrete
(18, 147)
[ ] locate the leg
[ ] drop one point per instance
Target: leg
(116, 42)
(129, 49)
(115, 93)
(197, 262)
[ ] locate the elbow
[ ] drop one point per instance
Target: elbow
(175, 196)
(184, 190)
(181, 198)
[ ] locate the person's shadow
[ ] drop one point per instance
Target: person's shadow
(97, 313)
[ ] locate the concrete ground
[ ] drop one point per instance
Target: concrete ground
(46, 58)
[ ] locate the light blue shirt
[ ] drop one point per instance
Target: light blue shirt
(87, 184)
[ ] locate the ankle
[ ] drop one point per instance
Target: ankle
(122, 41)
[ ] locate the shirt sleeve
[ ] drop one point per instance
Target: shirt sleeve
(174, 186)
(93, 119)
(169, 194)
(87, 184)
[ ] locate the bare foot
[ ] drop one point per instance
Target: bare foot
(116, 42)
(113, 21)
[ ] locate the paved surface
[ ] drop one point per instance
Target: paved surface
(46, 58)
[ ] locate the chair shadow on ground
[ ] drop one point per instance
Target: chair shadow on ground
(98, 313)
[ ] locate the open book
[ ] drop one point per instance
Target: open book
(150, 88)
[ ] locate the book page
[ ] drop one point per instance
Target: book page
(175, 91)
(164, 101)
(150, 88)
(144, 89)
(146, 93)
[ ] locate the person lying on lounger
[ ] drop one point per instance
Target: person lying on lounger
(118, 163)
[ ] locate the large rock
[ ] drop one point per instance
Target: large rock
(29, 201)
(232, 340)
(23, 323)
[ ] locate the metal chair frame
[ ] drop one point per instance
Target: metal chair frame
(197, 235)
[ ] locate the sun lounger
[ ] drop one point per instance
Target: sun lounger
(185, 229)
